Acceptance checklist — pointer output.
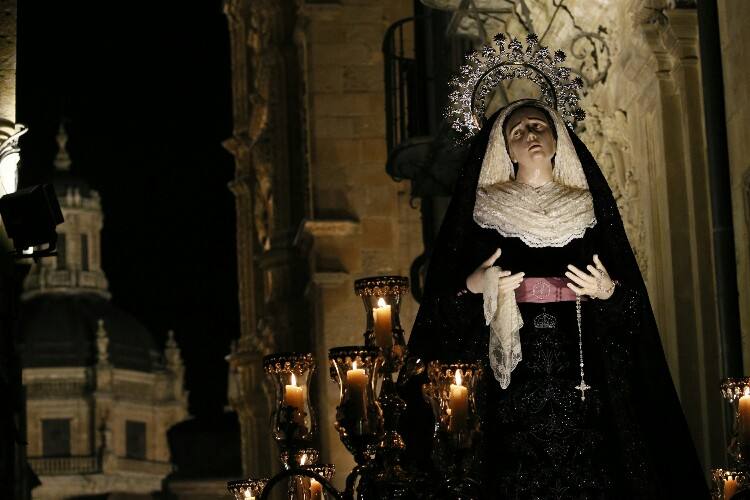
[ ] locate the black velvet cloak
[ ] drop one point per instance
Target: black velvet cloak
(653, 446)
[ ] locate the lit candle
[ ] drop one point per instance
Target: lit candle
(249, 494)
(730, 486)
(744, 418)
(458, 403)
(383, 329)
(293, 395)
(316, 490)
(356, 381)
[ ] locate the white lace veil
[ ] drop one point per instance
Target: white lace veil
(497, 167)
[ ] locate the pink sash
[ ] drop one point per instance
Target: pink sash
(541, 290)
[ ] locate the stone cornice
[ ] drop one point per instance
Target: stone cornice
(65, 281)
(320, 228)
(684, 25)
(127, 386)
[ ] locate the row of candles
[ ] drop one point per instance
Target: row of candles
(369, 406)
(359, 370)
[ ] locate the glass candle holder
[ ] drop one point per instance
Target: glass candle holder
(249, 489)
(294, 423)
(737, 392)
(302, 457)
(359, 419)
(382, 299)
(316, 489)
(726, 483)
(308, 488)
(451, 394)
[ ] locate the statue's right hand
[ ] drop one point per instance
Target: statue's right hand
(508, 281)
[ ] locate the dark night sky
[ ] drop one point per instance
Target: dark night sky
(145, 90)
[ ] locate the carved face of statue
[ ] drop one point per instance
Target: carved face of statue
(530, 137)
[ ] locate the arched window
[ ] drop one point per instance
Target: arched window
(85, 252)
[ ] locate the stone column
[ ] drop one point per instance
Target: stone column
(245, 360)
(734, 17)
(266, 144)
(672, 37)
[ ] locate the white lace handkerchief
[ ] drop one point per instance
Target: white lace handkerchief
(504, 318)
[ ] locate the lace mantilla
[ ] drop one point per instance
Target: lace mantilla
(504, 318)
(551, 215)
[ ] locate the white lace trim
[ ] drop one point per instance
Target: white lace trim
(534, 242)
(551, 215)
(501, 313)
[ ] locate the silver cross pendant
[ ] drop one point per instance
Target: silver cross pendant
(583, 387)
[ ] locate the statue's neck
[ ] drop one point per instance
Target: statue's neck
(535, 174)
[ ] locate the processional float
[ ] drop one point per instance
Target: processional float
(369, 407)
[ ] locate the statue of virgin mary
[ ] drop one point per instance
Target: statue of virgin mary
(532, 274)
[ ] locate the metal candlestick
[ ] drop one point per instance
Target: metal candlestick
(381, 296)
(359, 418)
(451, 394)
(737, 392)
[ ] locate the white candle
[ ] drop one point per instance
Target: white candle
(458, 403)
(293, 395)
(383, 329)
(744, 418)
(316, 490)
(356, 381)
(730, 487)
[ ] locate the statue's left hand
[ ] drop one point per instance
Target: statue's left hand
(596, 283)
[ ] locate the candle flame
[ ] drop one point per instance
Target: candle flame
(746, 392)
(294, 380)
(459, 378)
(303, 460)
(381, 302)
(248, 494)
(354, 365)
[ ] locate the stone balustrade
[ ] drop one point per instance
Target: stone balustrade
(51, 466)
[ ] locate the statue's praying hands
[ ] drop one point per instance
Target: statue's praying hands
(508, 281)
(596, 283)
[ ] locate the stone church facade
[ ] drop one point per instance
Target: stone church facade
(316, 208)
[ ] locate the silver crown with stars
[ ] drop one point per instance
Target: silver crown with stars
(487, 68)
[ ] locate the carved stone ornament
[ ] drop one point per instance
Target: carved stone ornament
(102, 342)
(607, 137)
(263, 97)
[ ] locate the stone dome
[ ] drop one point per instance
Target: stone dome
(60, 329)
